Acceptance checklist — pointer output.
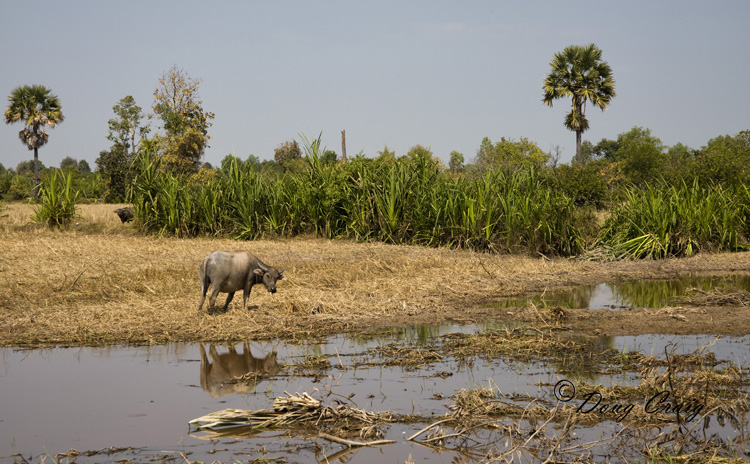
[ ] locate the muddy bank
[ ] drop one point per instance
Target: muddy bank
(718, 320)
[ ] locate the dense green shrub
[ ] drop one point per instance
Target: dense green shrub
(5, 179)
(584, 183)
(20, 187)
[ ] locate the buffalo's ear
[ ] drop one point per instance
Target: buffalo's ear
(258, 271)
(281, 274)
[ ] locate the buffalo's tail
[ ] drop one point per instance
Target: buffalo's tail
(204, 282)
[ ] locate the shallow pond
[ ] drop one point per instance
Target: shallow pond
(134, 403)
(633, 293)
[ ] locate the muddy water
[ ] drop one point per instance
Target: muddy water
(144, 397)
(136, 402)
(631, 294)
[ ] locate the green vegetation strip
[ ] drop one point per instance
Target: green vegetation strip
(395, 201)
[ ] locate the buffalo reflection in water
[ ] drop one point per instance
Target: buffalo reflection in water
(234, 373)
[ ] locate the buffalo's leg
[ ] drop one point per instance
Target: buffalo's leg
(245, 296)
(203, 298)
(212, 298)
(229, 300)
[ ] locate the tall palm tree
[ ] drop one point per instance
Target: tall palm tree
(37, 108)
(578, 72)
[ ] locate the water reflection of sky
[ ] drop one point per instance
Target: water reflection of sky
(94, 398)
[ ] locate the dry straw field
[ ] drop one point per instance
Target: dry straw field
(101, 282)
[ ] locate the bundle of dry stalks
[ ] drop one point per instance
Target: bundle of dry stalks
(301, 411)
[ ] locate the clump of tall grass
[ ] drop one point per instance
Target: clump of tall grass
(677, 220)
(409, 200)
(57, 200)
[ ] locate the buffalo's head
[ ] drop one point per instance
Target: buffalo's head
(269, 276)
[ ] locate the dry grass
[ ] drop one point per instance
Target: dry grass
(718, 297)
(95, 217)
(301, 412)
(101, 282)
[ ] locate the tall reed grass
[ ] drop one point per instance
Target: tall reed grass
(414, 201)
(678, 220)
(395, 201)
(57, 200)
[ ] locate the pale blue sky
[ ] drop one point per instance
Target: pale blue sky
(436, 73)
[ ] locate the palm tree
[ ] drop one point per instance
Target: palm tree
(578, 72)
(36, 107)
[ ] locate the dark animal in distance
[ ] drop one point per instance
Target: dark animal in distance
(126, 214)
(229, 272)
(228, 373)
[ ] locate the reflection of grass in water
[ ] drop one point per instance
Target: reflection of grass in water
(659, 293)
(576, 297)
(631, 294)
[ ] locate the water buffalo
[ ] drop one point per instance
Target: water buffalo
(233, 373)
(230, 272)
(126, 214)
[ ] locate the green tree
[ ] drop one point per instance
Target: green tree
(185, 122)
(419, 152)
(329, 157)
(584, 183)
(83, 167)
(226, 163)
(286, 151)
(115, 167)
(6, 177)
(606, 149)
(510, 155)
(69, 163)
(127, 124)
(680, 152)
(116, 164)
(725, 159)
(19, 187)
(555, 153)
(587, 152)
(37, 108)
(456, 162)
(26, 168)
(252, 161)
(579, 73)
(387, 154)
(642, 155)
